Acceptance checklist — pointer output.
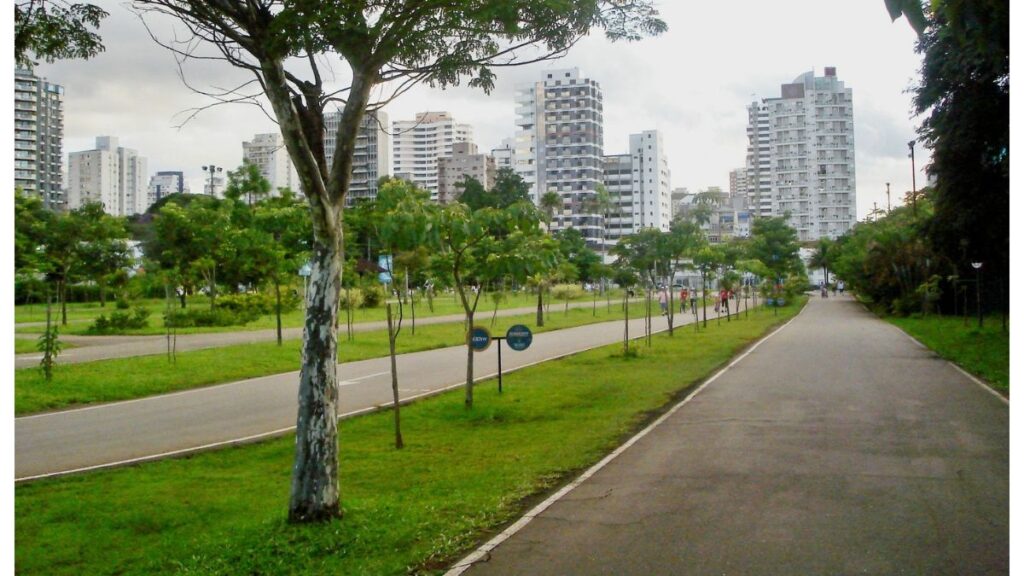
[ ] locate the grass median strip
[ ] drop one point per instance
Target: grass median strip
(983, 352)
(136, 377)
(462, 474)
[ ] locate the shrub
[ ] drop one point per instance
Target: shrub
(373, 296)
(351, 297)
(123, 304)
(206, 317)
(119, 322)
(566, 291)
(262, 304)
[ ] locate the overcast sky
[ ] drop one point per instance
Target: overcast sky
(693, 83)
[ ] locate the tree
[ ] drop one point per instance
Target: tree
(574, 249)
(508, 189)
(190, 242)
(550, 202)
(247, 182)
(823, 256)
(964, 95)
(55, 29)
(386, 44)
(478, 248)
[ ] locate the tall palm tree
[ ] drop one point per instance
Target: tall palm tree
(822, 257)
(550, 202)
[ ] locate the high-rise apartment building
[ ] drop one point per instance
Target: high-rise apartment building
(640, 186)
(464, 161)
(267, 151)
(164, 184)
(738, 185)
(38, 137)
(559, 146)
(417, 145)
(372, 157)
(504, 155)
(111, 175)
(810, 158)
(758, 164)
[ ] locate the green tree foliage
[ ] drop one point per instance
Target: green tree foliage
(247, 184)
(888, 259)
(389, 45)
(964, 93)
(55, 29)
(774, 243)
(508, 189)
(573, 248)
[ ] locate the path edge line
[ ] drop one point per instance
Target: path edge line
(181, 452)
(485, 549)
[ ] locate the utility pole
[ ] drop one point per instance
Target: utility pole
(913, 179)
(888, 199)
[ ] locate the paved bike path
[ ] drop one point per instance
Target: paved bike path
(838, 446)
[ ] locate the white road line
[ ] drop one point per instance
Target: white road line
(280, 431)
(482, 552)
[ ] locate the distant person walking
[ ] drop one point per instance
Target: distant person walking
(684, 296)
(693, 302)
(663, 301)
(842, 286)
(823, 288)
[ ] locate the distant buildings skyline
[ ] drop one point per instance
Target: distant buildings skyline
(38, 137)
(110, 174)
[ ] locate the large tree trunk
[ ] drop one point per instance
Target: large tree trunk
(315, 491)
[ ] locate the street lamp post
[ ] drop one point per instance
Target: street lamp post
(913, 178)
(888, 199)
(977, 289)
(212, 170)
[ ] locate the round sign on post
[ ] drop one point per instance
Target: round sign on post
(519, 337)
(479, 338)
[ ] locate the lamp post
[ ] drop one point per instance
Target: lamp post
(888, 199)
(977, 289)
(913, 178)
(212, 170)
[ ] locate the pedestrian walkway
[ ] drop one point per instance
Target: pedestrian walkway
(838, 446)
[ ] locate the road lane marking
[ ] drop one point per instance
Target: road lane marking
(484, 551)
(281, 431)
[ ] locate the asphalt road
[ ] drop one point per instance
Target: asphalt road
(92, 348)
(160, 426)
(839, 446)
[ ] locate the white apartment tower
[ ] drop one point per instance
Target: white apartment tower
(164, 184)
(640, 186)
(758, 165)
(372, 157)
(464, 161)
(811, 167)
(112, 175)
(268, 152)
(559, 146)
(38, 135)
(417, 144)
(505, 155)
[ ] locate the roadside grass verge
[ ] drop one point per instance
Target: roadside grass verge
(139, 376)
(462, 475)
(984, 353)
(31, 346)
(82, 315)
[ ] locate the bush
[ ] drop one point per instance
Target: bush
(373, 296)
(262, 304)
(206, 317)
(566, 291)
(352, 297)
(123, 304)
(119, 322)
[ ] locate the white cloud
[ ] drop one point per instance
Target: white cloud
(693, 83)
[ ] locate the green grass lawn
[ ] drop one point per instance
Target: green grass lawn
(126, 378)
(462, 475)
(984, 353)
(82, 315)
(26, 346)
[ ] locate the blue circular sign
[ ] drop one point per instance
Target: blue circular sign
(519, 337)
(479, 339)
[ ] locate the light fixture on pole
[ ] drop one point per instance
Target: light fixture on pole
(888, 199)
(977, 289)
(212, 170)
(913, 178)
